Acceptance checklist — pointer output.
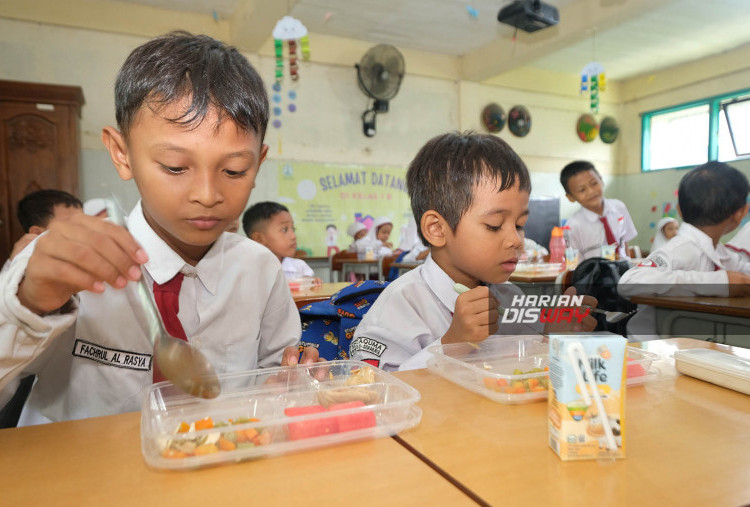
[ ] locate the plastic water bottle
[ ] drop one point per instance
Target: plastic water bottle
(557, 246)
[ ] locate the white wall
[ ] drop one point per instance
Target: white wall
(327, 125)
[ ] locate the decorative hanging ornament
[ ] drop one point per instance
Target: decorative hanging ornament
(291, 30)
(587, 128)
(493, 117)
(593, 81)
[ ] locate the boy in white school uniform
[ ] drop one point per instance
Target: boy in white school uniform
(271, 225)
(192, 114)
(474, 227)
(600, 221)
(712, 202)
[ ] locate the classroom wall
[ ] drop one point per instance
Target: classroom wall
(327, 124)
(648, 194)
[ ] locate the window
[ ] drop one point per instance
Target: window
(716, 128)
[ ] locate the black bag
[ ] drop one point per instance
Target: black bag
(598, 277)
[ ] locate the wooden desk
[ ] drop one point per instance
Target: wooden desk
(304, 297)
(535, 273)
(725, 320)
(687, 444)
(98, 462)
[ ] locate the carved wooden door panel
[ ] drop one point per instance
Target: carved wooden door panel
(39, 145)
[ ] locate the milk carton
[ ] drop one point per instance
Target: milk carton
(581, 424)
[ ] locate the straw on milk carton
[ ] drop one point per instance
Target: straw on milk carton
(586, 402)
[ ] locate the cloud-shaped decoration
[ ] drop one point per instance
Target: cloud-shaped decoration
(289, 28)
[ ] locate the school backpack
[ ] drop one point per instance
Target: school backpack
(598, 277)
(329, 325)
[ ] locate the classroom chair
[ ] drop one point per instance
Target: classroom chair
(334, 264)
(385, 264)
(634, 251)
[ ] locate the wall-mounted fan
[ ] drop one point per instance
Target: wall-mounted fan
(379, 75)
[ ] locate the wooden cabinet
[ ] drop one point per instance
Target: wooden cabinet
(39, 147)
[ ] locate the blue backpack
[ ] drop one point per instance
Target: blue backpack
(329, 325)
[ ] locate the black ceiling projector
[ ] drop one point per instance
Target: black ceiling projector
(529, 15)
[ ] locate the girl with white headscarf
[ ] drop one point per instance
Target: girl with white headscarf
(666, 229)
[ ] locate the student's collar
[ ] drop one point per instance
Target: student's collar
(592, 216)
(164, 263)
(440, 283)
(702, 239)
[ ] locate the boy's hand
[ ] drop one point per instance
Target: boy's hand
(80, 253)
(739, 284)
(309, 355)
(475, 317)
(588, 323)
(317, 282)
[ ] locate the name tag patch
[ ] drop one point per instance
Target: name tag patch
(112, 357)
(367, 345)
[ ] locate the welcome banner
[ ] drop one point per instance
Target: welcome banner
(325, 199)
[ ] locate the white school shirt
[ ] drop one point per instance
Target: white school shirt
(413, 312)
(94, 359)
(294, 268)
(586, 233)
(740, 243)
(687, 265)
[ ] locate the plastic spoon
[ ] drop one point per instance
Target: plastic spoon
(611, 317)
(180, 363)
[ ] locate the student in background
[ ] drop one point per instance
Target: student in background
(357, 231)
(411, 243)
(475, 230)
(191, 115)
(379, 234)
(37, 210)
(271, 225)
(600, 221)
(96, 207)
(666, 229)
(712, 201)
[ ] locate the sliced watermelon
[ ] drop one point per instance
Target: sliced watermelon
(311, 428)
(635, 370)
(356, 421)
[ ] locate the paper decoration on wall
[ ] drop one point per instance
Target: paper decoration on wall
(493, 117)
(294, 33)
(593, 81)
(609, 130)
(519, 121)
(587, 128)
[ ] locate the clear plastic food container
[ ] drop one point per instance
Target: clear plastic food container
(515, 369)
(302, 283)
(274, 411)
(725, 370)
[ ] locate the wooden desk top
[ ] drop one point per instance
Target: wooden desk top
(736, 307)
(687, 444)
(531, 278)
(98, 461)
(319, 293)
(359, 261)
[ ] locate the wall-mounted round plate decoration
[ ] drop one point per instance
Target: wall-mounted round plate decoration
(609, 130)
(519, 121)
(587, 128)
(493, 117)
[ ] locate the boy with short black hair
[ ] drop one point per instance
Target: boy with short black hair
(192, 114)
(600, 221)
(270, 224)
(36, 210)
(712, 201)
(469, 195)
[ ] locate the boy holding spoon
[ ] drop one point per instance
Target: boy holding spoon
(469, 194)
(191, 116)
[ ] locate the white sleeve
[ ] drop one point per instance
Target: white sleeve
(655, 276)
(735, 261)
(280, 326)
(306, 269)
(24, 335)
(630, 231)
(393, 334)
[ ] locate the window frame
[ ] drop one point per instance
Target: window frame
(714, 110)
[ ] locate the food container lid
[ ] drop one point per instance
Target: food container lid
(716, 361)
